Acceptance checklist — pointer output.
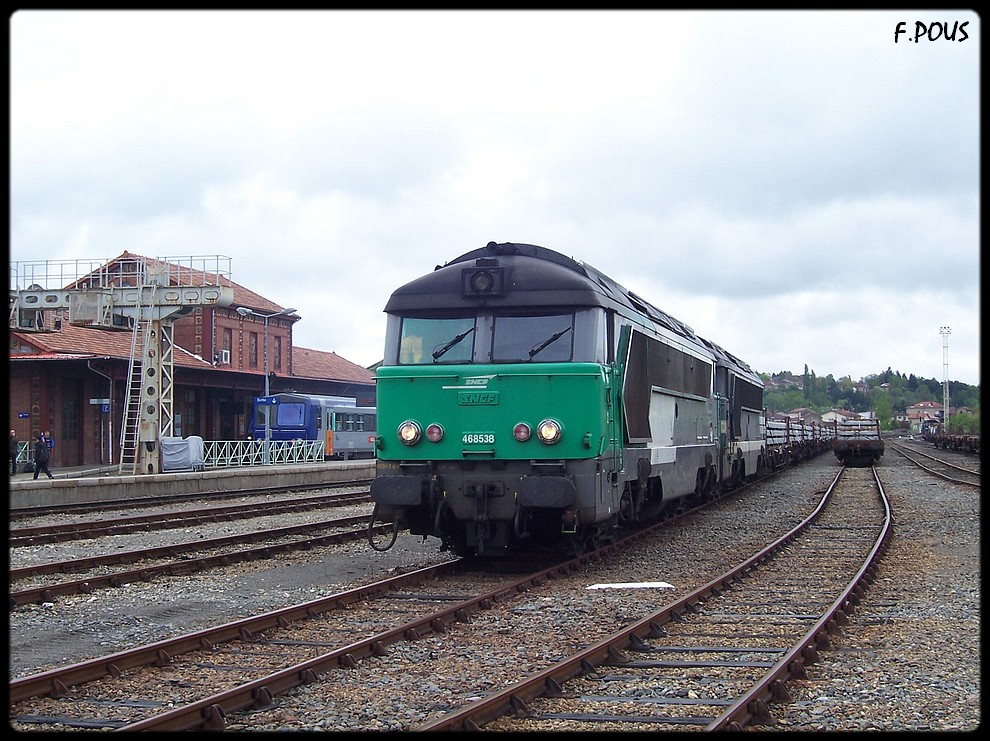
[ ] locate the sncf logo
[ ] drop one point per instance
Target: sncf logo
(478, 381)
(477, 398)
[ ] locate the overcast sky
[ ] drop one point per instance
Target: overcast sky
(801, 188)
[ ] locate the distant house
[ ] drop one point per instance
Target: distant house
(838, 415)
(923, 411)
(784, 383)
(805, 415)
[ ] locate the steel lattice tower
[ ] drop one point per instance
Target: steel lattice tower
(945, 331)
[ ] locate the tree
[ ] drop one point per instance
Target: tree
(883, 409)
(886, 394)
(965, 424)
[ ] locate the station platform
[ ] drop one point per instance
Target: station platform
(83, 485)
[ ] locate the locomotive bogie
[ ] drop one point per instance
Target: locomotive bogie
(480, 507)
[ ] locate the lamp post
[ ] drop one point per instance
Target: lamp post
(266, 458)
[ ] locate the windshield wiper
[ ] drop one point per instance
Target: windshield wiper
(549, 340)
(445, 348)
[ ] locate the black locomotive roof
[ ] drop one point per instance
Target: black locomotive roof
(535, 277)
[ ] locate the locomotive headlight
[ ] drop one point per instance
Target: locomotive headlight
(521, 432)
(409, 432)
(434, 433)
(482, 282)
(549, 431)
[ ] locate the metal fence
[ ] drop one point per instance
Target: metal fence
(229, 453)
(238, 453)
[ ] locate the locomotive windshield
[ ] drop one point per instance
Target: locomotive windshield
(537, 338)
(290, 414)
(487, 339)
(426, 341)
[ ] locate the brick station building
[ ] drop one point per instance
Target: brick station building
(72, 380)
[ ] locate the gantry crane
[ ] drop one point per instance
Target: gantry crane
(130, 293)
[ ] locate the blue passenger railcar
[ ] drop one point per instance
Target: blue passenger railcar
(347, 430)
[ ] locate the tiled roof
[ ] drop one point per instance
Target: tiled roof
(86, 342)
(307, 363)
(73, 341)
(81, 342)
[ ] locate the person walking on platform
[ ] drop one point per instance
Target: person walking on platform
(41, 457)
(14, 444)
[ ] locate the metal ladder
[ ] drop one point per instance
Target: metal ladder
(130, 429)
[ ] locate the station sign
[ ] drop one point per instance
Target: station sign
(266, 401)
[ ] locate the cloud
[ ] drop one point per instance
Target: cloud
(793, 183)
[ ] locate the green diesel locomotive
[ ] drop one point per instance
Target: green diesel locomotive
(528, 401)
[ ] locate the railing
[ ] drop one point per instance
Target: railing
(237, 453)
(187, 270)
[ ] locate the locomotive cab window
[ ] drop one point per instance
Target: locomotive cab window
(289, 414)
(260, 413)
(427, 341)
(499, 338)
(532, 338)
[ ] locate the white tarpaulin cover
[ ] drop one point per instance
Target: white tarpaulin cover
(182, 454)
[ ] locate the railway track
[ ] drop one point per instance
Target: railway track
(278, 650)
(212, 553)
(275, 541)
(717, 658)
(165, 519)
(227, 675)
(939, 466)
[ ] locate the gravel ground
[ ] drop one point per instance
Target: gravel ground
(892, 668)
(909, 659)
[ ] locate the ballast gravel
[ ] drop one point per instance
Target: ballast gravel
(908, 660)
